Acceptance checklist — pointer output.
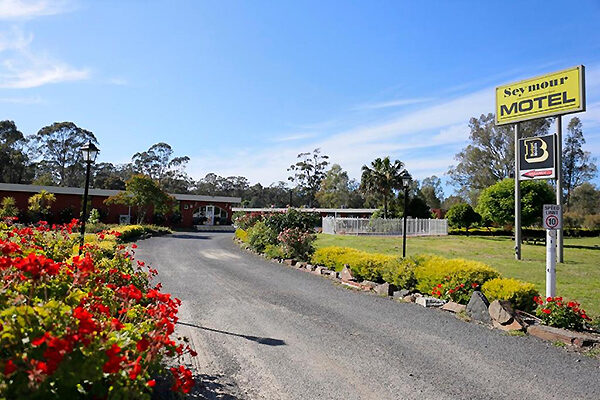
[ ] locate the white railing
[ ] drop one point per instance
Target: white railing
(380, 226)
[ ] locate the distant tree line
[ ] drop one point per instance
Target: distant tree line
(52, 157)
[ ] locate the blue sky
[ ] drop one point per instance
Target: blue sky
(243, 86)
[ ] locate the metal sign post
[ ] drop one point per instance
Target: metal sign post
(517, 196)
(552, 221)
(559, 239)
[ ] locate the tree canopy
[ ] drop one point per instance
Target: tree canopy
(577, 165)
(489, 157)
(381, 179)
(59, 145)
(143, 192)
(308, 173)
(497, 202)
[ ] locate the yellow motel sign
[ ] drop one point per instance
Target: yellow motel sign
(557, 93)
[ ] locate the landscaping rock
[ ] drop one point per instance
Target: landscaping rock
(513, 325)
(502, 312)
(346, 274)
(385, 289)
(401, 293)
(477, 308)
(289, 261)
(368, 285)
(300, 265)
(454, 307)
(562, 335)
(430, 301)
(318, 270)
(310, 267)
(410, 298)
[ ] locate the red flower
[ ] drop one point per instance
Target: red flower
(135, 371)
(549, 299)
(151, 383)
(474, 285)
(113, 365)
(142, 345)
(116, 324)
(546, 311)
(9, 367)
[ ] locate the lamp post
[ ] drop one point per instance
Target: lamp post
(90, 152)
(405, 178)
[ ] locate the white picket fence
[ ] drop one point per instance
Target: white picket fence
(380, 226)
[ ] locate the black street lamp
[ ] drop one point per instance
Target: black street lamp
(90, 152)
(406, 178)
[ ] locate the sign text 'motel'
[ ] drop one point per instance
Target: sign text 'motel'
(537, 157)
(557, 93)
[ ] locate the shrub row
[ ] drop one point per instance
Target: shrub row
(364, 266)
(429, 274)
(278, 235)
(526, 232)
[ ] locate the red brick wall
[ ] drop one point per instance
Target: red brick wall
(110, 214)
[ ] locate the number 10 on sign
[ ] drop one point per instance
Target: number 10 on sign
(551, 220)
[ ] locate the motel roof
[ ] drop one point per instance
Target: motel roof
(17, 187)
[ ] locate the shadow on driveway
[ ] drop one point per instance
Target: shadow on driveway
(188, 236)
(257, 339)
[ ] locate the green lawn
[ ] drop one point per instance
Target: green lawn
(578, 278)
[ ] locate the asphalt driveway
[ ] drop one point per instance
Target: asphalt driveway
(266, 331)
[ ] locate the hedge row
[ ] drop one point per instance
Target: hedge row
(525, 232)
(425, 273)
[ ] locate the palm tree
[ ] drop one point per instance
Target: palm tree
(381, 179)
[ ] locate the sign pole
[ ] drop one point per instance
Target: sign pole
(517, 197)
(559, 190)
(550, 263)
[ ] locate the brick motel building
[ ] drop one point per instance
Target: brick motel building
(194, 209)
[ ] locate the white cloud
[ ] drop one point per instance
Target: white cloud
(425, 139)
(24, 9)
(293, 137)
(393, 103)
(27, 71)
(22, 67)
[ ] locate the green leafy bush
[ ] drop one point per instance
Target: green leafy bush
(77, 327)
(8, 208)
(520, 294)
(369, 266)
(297, 243)
(434, 270)
(292, 218)
(401, 271)
(453, 289)
(242, 235)
(260, 235)
(275, 251)
(560, 314)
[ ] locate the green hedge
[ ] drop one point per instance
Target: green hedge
(434, 270)
(241, 234)
(364, 266)
(526, 232)
(519, 293)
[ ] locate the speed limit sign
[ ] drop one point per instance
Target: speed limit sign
(552, 219)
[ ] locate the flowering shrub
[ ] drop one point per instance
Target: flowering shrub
(87, 326)
(297, 243)
(453, 290)
(558, 313)
(520, 294)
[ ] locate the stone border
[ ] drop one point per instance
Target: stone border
(499, 314)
